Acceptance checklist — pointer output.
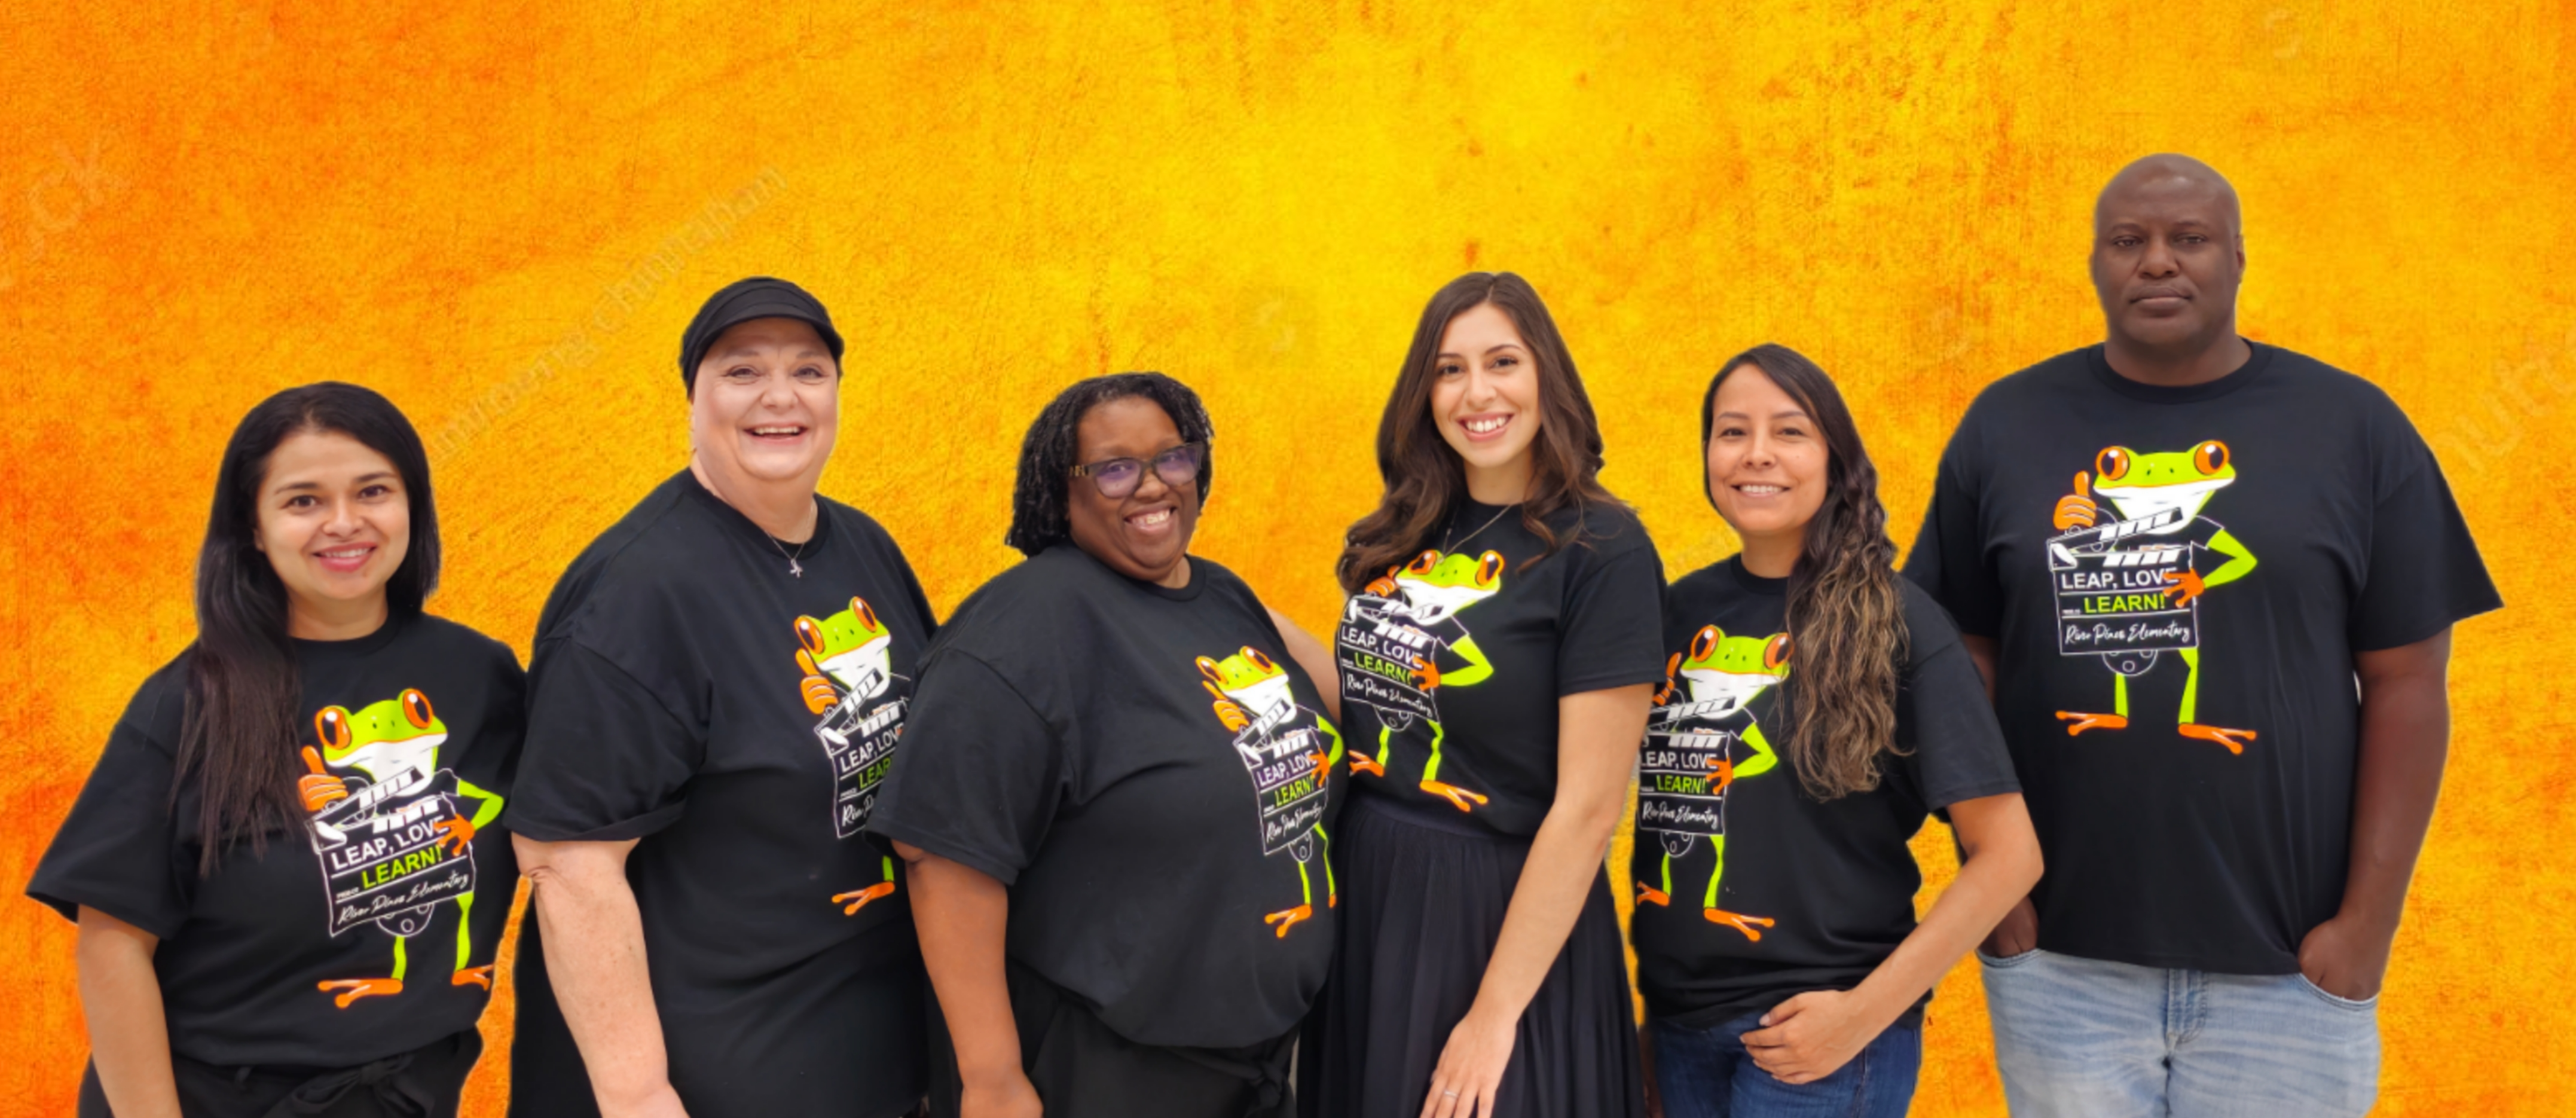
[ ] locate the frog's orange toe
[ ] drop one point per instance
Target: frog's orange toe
(353, 989)
(2077, 722)
(1289, 918)
(1456, 796)
(2219, 734)
(853, 902)
(1738, 921)
(1360, 764)
(472, 976)
(1648, 894)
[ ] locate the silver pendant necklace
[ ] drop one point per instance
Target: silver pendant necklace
(793, 567)
(1446, 547)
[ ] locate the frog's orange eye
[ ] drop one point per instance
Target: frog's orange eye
(1258, 660)
(2112, 464)
(416, 709)
(809, 633)
(1488, 569)
(1207, 668)
(1706, 642)
(1422, 564)
(1776, 653)
(331, 724)
(867, 617)
(2210, 457)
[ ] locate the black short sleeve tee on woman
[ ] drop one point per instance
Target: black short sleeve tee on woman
(1750, 889)
(736, 710)
(1452, 664)
(2177, 580)
(368, 931)
(1148, 771)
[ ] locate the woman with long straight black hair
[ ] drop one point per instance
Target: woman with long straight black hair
(1495, 660)
(285, 866)
(1816, 709)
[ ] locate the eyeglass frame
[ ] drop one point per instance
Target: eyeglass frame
(1092, 469)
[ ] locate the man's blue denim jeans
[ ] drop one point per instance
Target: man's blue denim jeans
(2112, 1040)
(1705, 1073)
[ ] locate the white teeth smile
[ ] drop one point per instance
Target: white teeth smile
(778, 430)
(1760, 490)
(345, 553)
(1487, 426)
(1152, 519)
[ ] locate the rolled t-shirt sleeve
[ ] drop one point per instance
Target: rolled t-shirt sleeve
(117, 852)
(979, 774)
(2424, 569)
(1613, 624)
(605, 759)
(1958, 746)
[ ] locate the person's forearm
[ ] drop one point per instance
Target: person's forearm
(2000, 865)
(594, 944)
(961, 914)
(129, 1037)
(2405, 741)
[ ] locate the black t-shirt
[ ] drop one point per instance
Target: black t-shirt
(2176, 676)
(1751, 890)
(366, 932)
(1147, 770)
(690, 690)
(1452, 664)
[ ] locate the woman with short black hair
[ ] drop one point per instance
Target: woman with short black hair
(1116, 794)
(277, 863)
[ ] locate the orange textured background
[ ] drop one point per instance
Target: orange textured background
(502, 219)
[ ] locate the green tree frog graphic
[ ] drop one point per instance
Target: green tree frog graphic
(1689, 764)
(2129, 590)
(389, 827)
(1392, 639)
(1290, 751)
(848, 660)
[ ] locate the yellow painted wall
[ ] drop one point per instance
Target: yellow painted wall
(502, 218)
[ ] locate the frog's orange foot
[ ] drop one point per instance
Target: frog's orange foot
(1738, 921)
(1360, 764)
(1426, 674)
(853, 902)
(460, 832)
(1648, 894)
(1456, 796)
(353, 989)
(2077, 722)
(2219, 734)
(1289, 919)
(2186, 585)
(472, 976)
(819, 695)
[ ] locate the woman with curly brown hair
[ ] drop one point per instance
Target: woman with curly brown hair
(1791, 977)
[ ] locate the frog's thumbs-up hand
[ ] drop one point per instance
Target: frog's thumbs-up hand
(2077, 510)
(319, 787)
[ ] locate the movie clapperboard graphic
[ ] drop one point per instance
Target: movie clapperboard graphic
(1677, 788)
(860, 743)
(2112, 598)
(1376, 650)
(386, 859)
(1285, 780)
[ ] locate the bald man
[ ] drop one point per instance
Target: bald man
(2211, 584)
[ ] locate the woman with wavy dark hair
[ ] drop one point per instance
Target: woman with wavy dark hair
(276, 863)
(1776, 942)
(1495, 659)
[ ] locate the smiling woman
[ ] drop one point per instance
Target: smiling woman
(1118, 764)
(224, 991)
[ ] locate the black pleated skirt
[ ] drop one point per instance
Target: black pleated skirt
(1423, 901)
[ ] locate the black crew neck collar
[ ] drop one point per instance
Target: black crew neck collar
(753, 534)
(384, 635)
(1753, 583)
(2099, 359)
(1198, 576)
(1474, 517)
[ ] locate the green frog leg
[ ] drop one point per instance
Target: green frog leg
(487, 808)
(1716, 915)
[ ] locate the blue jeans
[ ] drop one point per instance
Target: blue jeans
(1705, 1073)
(2112, 1040)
